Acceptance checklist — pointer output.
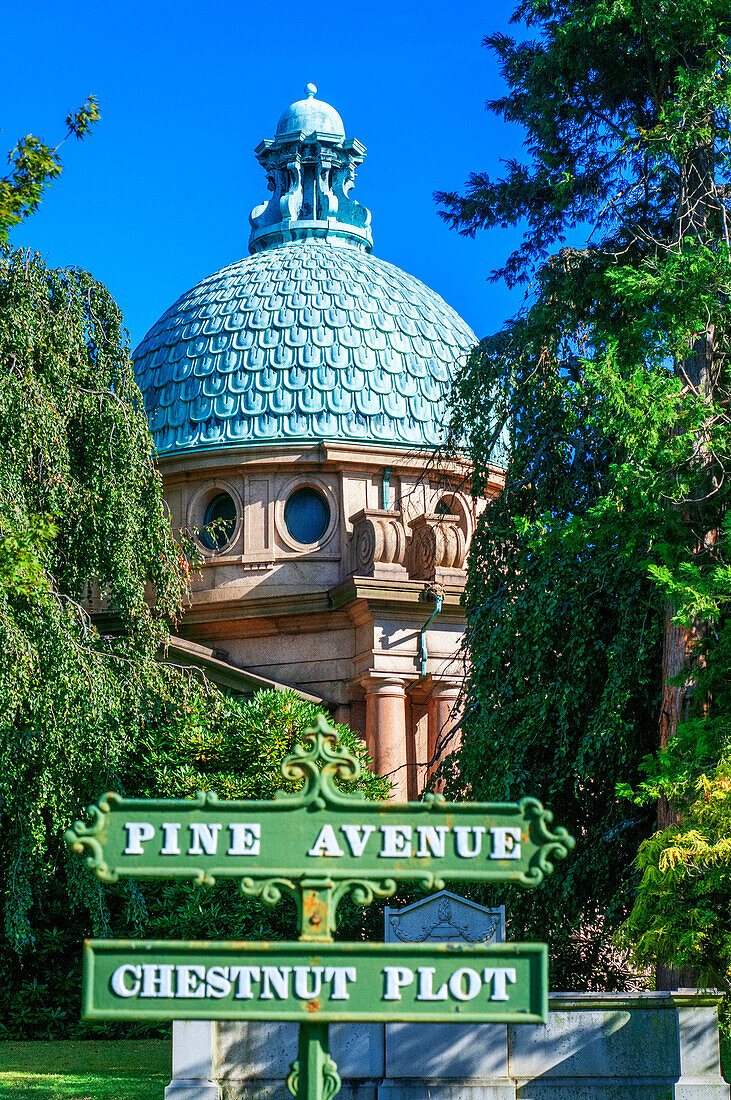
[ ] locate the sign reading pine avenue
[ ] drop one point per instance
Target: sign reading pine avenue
(318, 841)
(339, 836)
(327, 982)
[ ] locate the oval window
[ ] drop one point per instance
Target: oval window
(219, 522)
(307, 516)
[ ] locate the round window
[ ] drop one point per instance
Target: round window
(307, 515)
(219, 522)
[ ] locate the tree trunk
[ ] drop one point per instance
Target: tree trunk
(696, 374)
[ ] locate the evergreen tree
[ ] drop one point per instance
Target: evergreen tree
(597, 579)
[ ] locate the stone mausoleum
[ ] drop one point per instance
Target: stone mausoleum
(297, 401)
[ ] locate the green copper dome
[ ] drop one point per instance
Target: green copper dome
(310, 338)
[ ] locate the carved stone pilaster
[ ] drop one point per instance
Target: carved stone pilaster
(437, 546)
(378, 545)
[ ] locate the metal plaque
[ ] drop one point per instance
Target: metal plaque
(318, 983)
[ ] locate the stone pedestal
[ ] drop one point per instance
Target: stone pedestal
(455, 1059)
(605, 1046)
(619, 1046)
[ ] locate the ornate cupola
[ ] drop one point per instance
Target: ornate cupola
(310, 167)
(297, 399)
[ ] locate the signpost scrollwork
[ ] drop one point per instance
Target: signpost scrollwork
(318, 842)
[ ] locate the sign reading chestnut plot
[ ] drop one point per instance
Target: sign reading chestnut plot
(321, 831)
(318, 843)
(326, 982)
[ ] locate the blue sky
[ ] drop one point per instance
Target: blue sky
(159, 195)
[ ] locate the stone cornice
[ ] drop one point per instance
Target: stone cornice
(196, 465)
(651, 1000)
(401, 599)
(400, 594)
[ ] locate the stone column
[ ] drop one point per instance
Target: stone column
(386, 729)
(442, 715)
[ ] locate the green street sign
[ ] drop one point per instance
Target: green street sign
(318, 843)
(320, 832)
(315, 983)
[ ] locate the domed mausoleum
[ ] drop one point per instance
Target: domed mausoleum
(297, 399)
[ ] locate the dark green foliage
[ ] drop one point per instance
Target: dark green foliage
(199, 740)
(609, 393)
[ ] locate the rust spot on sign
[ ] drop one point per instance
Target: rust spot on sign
(313, 909)
(313, 1006)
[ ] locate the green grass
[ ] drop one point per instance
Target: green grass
(85, 1070)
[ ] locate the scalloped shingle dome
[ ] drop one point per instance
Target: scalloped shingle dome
(311, 338)
(303, 342)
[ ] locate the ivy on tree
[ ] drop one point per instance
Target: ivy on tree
(598, 579)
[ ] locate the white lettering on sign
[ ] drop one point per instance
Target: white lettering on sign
(326, 844)
(426, 986)
(463, 985)
(462, 840)
(396, 978)
(274, 982)
(396, 841)
(500, 976)
(218, 983)
(118, 980)
(302, 984)
(244, 976)
(245, 839)
(204, 838)
(157, 981)
(505, 843)
(137, 832)
(357, 837)
(170, 832)
(191, 981)
(432, 840)
(183, 981)
(340, 976)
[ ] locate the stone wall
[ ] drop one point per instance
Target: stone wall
(641, 1046)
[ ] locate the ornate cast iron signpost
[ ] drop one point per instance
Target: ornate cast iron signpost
(318, 843)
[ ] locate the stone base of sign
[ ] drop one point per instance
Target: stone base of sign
(195, 1061)
(639, 1046)
(449, 1056)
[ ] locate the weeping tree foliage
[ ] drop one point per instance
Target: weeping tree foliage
(80, 498)
(82, 712)
(598, 583)
(82, 521)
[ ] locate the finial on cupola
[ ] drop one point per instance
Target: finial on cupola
(310, 167)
